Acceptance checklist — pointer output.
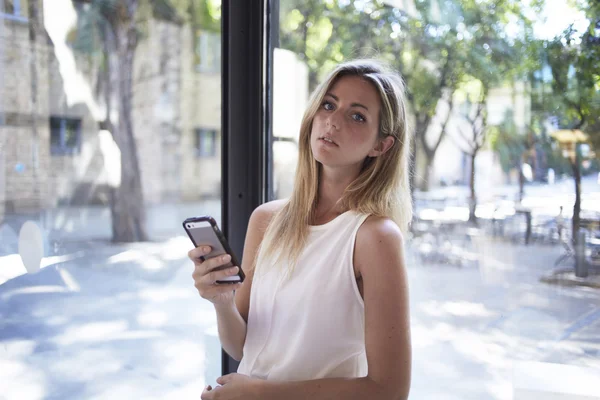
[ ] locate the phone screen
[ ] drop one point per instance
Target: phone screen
(203, 233)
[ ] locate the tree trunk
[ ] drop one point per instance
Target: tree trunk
(473, 197)
(105, 78)
(521, 183)
(424, 184)
(33, 11)
(412, 166)
(422, 124)
(576, 222)
(127, 200)
(430, 151)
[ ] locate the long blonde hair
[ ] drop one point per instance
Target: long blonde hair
(382, 187)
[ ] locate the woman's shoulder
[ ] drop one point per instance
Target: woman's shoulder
(271, 207)
(264, 212)
(376, 230)
(379, 246)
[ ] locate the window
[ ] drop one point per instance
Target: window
(65, 135)
(208, 51)
(95, 172)
(15, 8)
(206, 142)
(493, 90)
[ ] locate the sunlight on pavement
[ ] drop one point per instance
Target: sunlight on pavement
(152, 318)
(19, 379)
(88, 365)
(456, 308)
(175, 249)
(179, 358)
(12, 266)
(536, 379)
(44, 289)
(102, 332)
(159, 295)
(144, 260)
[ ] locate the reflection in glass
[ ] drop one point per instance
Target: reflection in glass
(503, 100)
(101, 105)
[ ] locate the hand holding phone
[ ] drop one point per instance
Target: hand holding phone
(215, 263)
(208, 272)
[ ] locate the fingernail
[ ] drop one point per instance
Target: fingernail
(226, 258)
(234, 270)
(206, 249)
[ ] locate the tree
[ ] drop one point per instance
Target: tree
(425, 49)
(110, 29)
(324, 34)
(574, 60)
(432, 48)
(445, 43)
(473, 138)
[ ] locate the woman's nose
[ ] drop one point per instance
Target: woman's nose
(332, 122)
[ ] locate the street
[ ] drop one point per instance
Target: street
(104, 321)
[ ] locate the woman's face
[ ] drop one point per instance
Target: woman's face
(345, 128)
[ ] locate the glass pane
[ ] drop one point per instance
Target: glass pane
(503, 252)
(8, 6)
(98, 170)
(18, 8)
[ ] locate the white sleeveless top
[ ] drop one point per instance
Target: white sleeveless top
(311, 325)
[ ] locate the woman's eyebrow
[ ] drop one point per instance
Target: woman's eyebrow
(351, 105)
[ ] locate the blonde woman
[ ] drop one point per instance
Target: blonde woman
(323, 313)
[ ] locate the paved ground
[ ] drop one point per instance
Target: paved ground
(124, 322)
(470, 325)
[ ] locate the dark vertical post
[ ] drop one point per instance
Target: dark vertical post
(245, 99)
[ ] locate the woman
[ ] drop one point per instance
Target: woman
(323, 313)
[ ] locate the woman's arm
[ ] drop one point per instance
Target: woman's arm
(232, 318)
(379, 256)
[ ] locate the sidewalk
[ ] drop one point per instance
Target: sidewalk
(125, 322)
(116, 322)
(567, 278)
(85, 232)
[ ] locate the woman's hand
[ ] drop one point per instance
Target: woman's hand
(205, 278)
(233, 387)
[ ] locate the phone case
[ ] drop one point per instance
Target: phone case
(213, 237)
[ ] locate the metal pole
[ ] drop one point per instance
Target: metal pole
(245, 144)
(581, 267)
(2, 130)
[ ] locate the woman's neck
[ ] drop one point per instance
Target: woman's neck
(332, 184)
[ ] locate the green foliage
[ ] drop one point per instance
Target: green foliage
(435, 48)
(508, 143)
(573, 87)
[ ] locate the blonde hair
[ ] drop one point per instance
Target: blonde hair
(382, 187)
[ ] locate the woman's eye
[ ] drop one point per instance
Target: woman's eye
(358, 118)
(328, 106)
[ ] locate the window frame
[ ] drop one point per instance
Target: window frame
(63, 149)
(201, 152)
(246, 144)
(18, 13)
(208, 42)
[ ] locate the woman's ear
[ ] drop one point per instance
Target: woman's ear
(382, 146)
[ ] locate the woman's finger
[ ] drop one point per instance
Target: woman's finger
(207, 393)
(215, 262)
(218, 275)
(196, 253)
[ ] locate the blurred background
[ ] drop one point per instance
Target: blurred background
(110, 136)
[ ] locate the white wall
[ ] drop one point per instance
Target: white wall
(290, 96)
(449, 165)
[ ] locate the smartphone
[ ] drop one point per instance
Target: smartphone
(204, 231)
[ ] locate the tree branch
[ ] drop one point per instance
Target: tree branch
(445, 124)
